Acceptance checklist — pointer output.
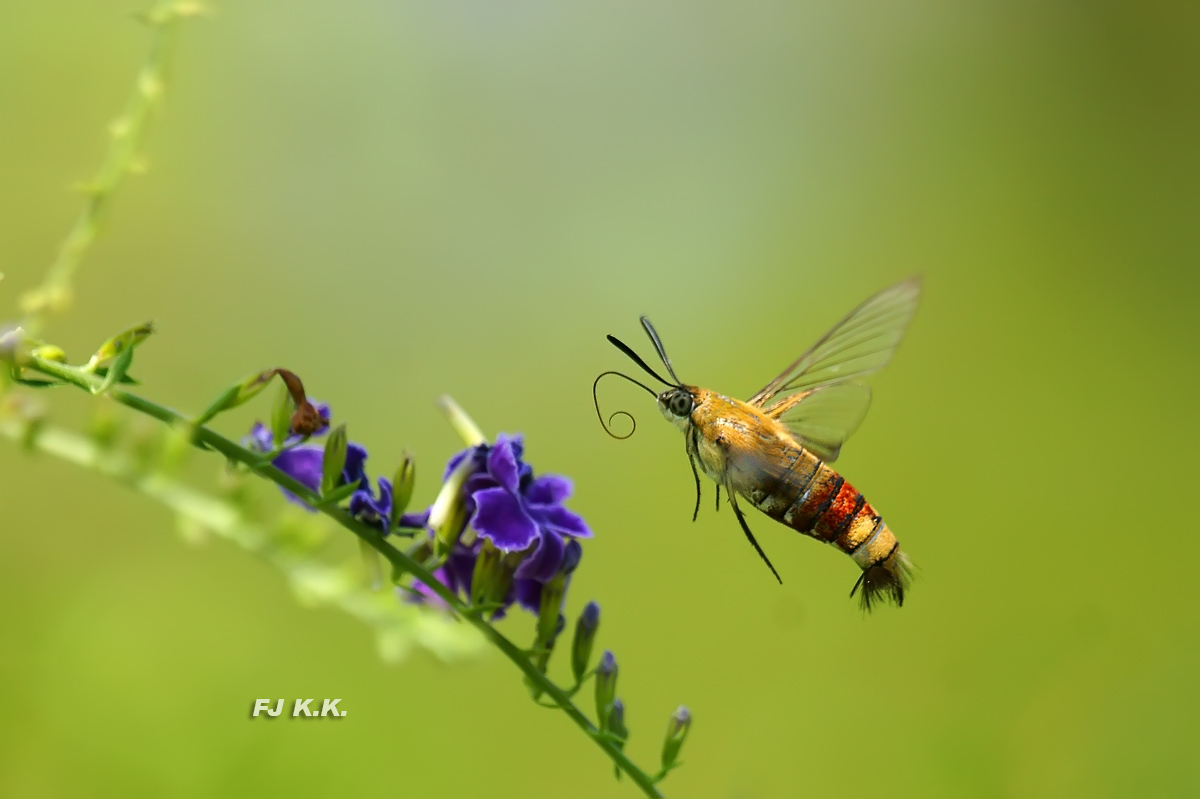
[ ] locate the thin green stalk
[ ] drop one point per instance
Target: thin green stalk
(204, 437)
(126, 134)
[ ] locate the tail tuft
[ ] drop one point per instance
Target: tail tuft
(888, 579)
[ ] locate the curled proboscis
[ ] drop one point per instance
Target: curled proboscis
(607, 425)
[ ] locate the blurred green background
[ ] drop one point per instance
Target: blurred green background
(398, 200)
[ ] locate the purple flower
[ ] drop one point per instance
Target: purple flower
(519, 514)
(304, 463)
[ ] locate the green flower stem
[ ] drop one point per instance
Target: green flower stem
(211, 513)
(126, 134)
(203, 437)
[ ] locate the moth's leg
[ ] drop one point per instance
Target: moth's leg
(746, 529)
(689, 443)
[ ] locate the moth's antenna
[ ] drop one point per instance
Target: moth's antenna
(658, 345)
(623, 347)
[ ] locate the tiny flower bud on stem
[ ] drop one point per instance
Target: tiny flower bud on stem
(617, 728)
(492, 578)
(118, 344)
(462, 424)
(448, 515)
(334, 459)
(402, 489)
(677, 731)
(606, 688)
(585, 636)
(236, 395)
(281, 416)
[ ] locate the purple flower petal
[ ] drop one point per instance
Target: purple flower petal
(479, 454)
(528, 594)
(303, 464)
(478, 482)
(355, 469)
(543, 562)
(502, 465)
(427, 596)
(516, 441)
(415, 520)
(460, 568)
(558, 519)
(260, 438)
(378, 512)
(549, 489)
(500, 517)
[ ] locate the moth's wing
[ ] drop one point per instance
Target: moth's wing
(823, 418)
(858, 345)
(821, 396)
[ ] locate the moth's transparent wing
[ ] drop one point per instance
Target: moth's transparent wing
(823, 399)
(858, 345)
(823, 418)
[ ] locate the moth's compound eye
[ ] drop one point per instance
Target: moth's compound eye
(681, 404)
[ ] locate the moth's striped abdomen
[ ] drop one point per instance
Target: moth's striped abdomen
(812, 498)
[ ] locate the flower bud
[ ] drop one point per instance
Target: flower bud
(402, 488)
(616, 722)
(606, 687)
(12, 340)
(50, 352)
(235, 395)
(585, 636)
(617, 728)
(118, 344)
(463, 425)
(677, 731)
(448, 515)
(493, 575)
(334, 459)
(553, 592)
(281, 416)
(542, 651)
